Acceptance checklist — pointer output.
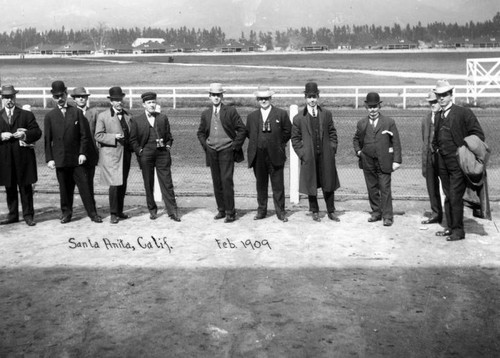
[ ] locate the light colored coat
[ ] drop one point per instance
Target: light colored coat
(111, 152)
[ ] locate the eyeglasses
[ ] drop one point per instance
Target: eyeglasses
(263, 98)
(312, 96)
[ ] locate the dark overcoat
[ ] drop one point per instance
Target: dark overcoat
(302, 142)
(13, 152)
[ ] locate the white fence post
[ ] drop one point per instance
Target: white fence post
(131, 100)
(294, 164)
(174, 99)
(44, 98)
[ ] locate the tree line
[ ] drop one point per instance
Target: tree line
(355, 35)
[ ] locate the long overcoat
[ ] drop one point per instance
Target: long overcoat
(302, 142)
(12, 154)
(111, 151)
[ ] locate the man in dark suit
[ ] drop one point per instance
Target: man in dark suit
(430, 169)
(81, 96)
(268, 130)
(222, 134)
(378, 147)
(66, 133)
(19, 131)
(113, 135)
(151, 139)
(453, 125)
(314, 139)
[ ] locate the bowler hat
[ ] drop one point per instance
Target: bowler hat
(311, 88)
(58, 87)
(372, 99)
(116, 93)
(79, 91)
(216, 88)
(8, 90)
(442, 86)
(431, 96)
(148, 96)
(263, 91)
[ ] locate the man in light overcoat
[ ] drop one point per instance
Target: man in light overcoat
(314, 139)
(112, 132)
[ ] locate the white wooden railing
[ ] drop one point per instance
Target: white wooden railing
(356, 93)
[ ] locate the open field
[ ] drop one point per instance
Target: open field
(266, 289)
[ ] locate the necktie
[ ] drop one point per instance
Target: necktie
(216, 111)
(124, 126)
(9, 116)
(63, 111)
(314, 112)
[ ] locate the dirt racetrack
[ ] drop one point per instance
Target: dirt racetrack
(201, 288)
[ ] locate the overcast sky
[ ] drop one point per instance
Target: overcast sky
(234, 16)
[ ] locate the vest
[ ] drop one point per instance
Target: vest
(369, 147)
(218, 139)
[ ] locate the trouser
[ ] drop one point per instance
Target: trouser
(117, 192)
(378, 185)
(453, 181)
(222, 169)
(432, 183)
(329, 197)
(264, 170)
(67, 178)
(26, 193)
(160, 159)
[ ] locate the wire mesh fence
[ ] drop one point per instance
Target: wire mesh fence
(192, 177)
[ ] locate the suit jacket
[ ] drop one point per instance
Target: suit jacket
(463, 123)
(66, 137)
(388, 146)
(139, 131)
(111, 152)
(11, 152)
(233, 126)
(302, 142)
(281, 129)
(93, 153)
(427, 151)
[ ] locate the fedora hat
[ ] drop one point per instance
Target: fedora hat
(431, 96)
(372, 99)
(216, 88)
(311, 88)
(442, 86)
(263, 91)
(8, 90)
(58, 87)
(148, 96)
(79, 91)
(116, 93)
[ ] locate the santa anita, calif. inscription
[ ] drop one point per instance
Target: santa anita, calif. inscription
(152, 243)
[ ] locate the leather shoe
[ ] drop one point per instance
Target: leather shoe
(174, 217)
(153, 216)
(122, 216)
(446, 232)
(374, 218)
(333, 217)
(455, 238)
(230, 218)
(114, 219)
(432, 220)
(316, 217)
(282, 217)
(96, 218)
(9, 221)
(29, 221)
(388, 222)
(259, 216)
(220, 215)
(65, 219)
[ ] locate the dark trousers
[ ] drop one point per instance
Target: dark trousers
(264, 170)
(453, 181)
(67, 178)
(329, 197)
(117, 192)
(378, 185)
(222, 169)
(432, 183)
(90, 178)
(26, 193)
(160, 159)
